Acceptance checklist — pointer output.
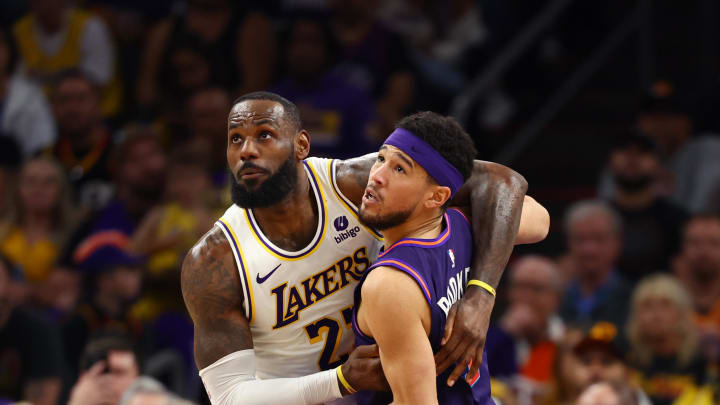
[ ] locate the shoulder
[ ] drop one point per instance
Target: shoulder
(352, 175)
(211, 246)
(209, 269)
(389, 285)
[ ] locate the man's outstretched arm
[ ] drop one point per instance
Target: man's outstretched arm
(224, 351)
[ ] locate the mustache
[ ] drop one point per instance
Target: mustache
(251, 165)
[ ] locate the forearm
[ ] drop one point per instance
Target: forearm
(496, 199)
(231, 380)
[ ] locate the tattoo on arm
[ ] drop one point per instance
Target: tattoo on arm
(352, 176)
(212, 292)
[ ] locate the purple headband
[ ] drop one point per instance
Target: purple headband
(437, 167)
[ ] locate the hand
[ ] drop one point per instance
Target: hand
(465, 331)
(363, 370)
(92, 388)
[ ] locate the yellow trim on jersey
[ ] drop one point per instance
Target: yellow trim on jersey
(248, 280)
(317, 242)
(331, 173)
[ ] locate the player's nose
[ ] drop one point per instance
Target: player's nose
(249, 150)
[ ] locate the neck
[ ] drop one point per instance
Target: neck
(590, 284)
(635, 200)
(422, 227)
(37, 222)
(291, 223)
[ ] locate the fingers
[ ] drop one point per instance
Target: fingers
(449, 324)
(96, 369)
(450, 353)
(475, 365)
(459, 369)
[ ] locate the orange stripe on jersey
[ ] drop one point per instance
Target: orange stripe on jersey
(413, 273)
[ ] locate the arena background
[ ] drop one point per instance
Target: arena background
(112, 163)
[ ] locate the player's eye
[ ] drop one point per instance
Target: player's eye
(399, 169)
(380, 159)
(265, 135)
(235, 138)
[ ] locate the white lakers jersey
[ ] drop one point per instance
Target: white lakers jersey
(299, 304)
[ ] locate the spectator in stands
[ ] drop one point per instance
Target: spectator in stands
(55, 37)
(110, 366)
(25, 115)
(692, 163)
(663, 340)
(698, 269)
(168, 231)
(84, 142)
(211, 43)
(115, 279)
(651, 223)
(147, 391)
(336, 113)
(208, 110)
(41, 220)
(31, 357)
(374, 59)
(531, 323)
(598, 292)
(139, 168)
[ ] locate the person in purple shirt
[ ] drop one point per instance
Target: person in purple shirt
(403, 301)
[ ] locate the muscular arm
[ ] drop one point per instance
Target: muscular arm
(394, 311)
(213, 295)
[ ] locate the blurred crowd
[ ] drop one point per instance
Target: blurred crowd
(113, 119)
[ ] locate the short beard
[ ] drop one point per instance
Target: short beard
(270, 192)
(386, 222)
(632, 184)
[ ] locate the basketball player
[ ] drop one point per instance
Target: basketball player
(403, 299)
(269, 287)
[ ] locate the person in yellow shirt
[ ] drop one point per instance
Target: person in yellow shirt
(54, 37)
(39, 220)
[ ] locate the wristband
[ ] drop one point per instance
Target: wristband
(343, 381)
(485, 286)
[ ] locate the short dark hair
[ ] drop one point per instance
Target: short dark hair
(103, 342)
(446, 136)
(291, 111)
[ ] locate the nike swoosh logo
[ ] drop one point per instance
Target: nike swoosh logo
(261, 280)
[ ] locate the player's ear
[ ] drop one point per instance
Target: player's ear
(438, 197)
(302, 144)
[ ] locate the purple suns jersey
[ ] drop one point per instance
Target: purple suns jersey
(440, 267)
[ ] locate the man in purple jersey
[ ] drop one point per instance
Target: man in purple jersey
(402, 302)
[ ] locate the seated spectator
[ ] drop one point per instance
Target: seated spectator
(531, 323)
(691, 163)
(698, 269)
(139, 167)
(31, 356)
(663, 340)
(168, 231)
(211, 43)
(115, 280)
(55, 37)
(109, 365)
(147, 391)
(597, 292)
(336, 114)
(41, 221)
(26, 115)
(651, 223)
(84, 142)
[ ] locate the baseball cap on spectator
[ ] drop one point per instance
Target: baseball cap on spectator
(602, 336)
(108, 257)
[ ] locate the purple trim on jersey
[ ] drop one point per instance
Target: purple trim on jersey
(461, 213)
(409, 270)
(318, 196)
(422, 243)
(242, 267)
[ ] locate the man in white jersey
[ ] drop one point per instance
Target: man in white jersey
(270, 286)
